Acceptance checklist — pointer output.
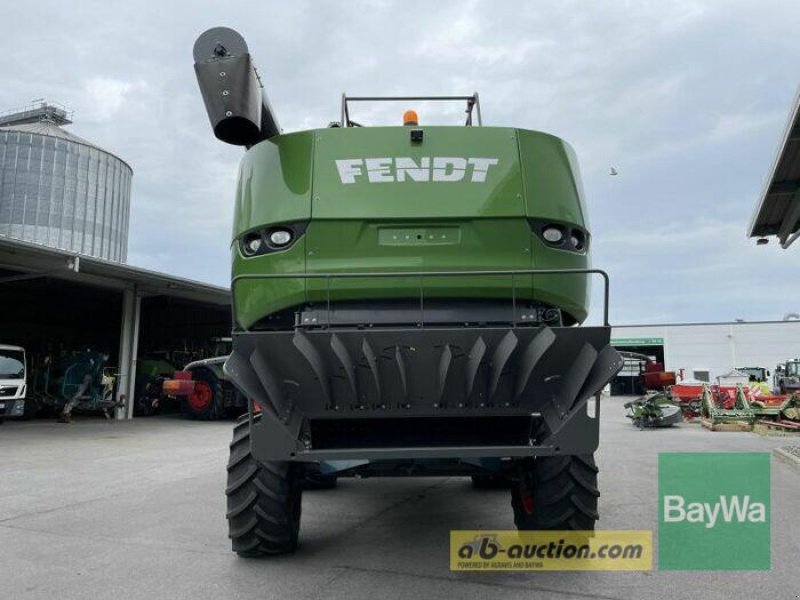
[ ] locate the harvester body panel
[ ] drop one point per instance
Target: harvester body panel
(371, 200)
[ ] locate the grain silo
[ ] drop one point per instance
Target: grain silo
(60, 190)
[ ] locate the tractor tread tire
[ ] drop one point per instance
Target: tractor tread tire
(564, 494)
(263, 500)
(215, 410)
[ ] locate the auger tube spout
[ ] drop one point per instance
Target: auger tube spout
(237, 106)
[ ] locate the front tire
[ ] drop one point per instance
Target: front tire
(264, 500)
(556, 493)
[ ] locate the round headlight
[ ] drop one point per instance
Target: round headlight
(252, 244)
(576, 239)
(280, 237)
(553, 235)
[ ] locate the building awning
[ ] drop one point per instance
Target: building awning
(778, 211)
(34, 260)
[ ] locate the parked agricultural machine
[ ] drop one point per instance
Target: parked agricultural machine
(641, 374)
(722, 411)
(745, 384)
(787, 377)
(724, 406)
(151, 373)
(755, 374)
(739, 407)
(653, 410)
(777, 411)
(406, 301)
(688, 395)
(205, 391)
(80, 380)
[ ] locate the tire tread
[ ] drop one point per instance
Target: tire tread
(263, 500)
(564, 494)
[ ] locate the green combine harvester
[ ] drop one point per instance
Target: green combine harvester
(406, 301)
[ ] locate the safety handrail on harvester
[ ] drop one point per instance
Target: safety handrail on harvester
(422, 275)
(473, 102)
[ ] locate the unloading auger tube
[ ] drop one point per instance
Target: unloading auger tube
(237, 106)
(407, 300)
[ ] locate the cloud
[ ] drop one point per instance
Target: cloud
(686, 99)
(108, 97)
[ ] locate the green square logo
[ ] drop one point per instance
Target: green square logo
(714, 511)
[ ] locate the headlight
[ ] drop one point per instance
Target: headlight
(576, 239)
(275, 238)
(554, 235)
(252, 243)
(280, 237)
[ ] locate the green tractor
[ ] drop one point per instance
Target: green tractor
(406, 301)
(151, 372)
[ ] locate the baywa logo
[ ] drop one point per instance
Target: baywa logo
(400, 169)
(729, 508)
(714, 511)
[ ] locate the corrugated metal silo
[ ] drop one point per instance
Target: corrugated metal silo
(60, 190)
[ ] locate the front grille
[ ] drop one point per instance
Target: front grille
(414, 432)
(8, 391)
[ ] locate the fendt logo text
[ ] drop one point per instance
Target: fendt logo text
(728, 508)
(436, 168)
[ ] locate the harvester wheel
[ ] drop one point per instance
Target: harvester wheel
(264, 500)
(556, 493)
(206, 401)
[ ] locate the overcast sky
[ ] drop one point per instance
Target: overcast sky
(687, 100)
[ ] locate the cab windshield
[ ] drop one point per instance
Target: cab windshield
(12, 364)
(793, 369)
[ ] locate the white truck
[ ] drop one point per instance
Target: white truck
(13, 371)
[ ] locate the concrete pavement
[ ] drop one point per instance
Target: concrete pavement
(136, 510)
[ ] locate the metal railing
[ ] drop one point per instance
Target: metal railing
(473, 102)
(422, 275)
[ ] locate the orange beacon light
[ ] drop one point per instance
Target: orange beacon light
(410, 118)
